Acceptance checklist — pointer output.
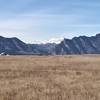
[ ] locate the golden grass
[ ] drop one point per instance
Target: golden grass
(50, 78)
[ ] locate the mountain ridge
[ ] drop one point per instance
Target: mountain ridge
(80, 45)
(76, 45)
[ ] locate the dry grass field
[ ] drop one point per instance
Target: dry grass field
(50, 78)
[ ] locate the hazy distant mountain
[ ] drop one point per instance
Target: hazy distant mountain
(77, 45)
(52, 40)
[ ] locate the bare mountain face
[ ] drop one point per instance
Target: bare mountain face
(77, 45)
(14, 46)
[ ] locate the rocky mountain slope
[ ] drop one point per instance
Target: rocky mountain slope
(77, 45)
(14, 46)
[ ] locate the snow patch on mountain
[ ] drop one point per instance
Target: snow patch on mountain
(52, 40)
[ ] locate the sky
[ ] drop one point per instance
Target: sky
(38, 20)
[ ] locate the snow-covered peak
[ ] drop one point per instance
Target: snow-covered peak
(55, 40)
(52, 40)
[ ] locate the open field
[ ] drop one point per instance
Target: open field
(50, 78)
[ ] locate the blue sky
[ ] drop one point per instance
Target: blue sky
(32, 20)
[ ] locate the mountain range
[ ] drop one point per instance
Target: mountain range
(76, 45)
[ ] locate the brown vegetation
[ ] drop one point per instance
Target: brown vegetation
(50, 78)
